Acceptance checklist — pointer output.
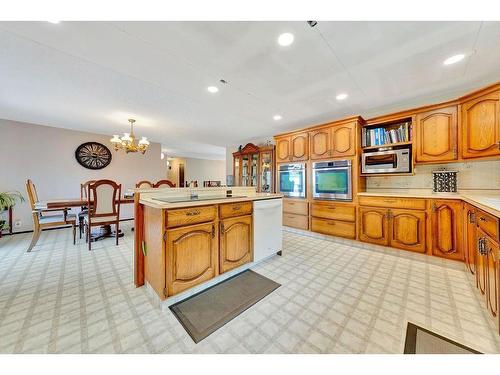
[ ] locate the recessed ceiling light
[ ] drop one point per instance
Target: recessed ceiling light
(54, 22)
(341, 96)
(285, 39)
(277, 117)
(454, 59)
(212, 89)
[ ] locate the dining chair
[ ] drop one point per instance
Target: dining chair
(144, 184)
(41, 221)
(163, 183)
(104, 207)
(84, 209)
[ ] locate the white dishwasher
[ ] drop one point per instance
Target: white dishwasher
(267, 228)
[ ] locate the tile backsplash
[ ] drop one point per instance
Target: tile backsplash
(471, 175)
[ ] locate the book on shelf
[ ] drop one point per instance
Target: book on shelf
(382, 136)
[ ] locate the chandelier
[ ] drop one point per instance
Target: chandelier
(128, 142)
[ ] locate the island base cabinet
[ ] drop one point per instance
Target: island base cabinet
(191, 256)
(236, 242)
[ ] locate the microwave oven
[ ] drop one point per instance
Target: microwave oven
(292, 180)
(389, 161)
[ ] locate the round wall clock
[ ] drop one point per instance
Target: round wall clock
(93, 155)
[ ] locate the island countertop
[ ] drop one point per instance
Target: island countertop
(169, 202)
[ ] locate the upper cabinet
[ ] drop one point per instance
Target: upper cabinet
(436, 135)
(292, 148)
(481, 126)
(334, 141)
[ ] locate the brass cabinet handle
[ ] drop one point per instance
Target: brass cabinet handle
(193, 213)
(291, 204)
(213, 230)
(389, 200)
(331, 223)
(482, 218)
(331, 207)
(222, 228)
(236, 208)
(434, 207)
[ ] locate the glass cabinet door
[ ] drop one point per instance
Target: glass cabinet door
(236, 178)
(255, 167)
(245, 170)
(266, 172)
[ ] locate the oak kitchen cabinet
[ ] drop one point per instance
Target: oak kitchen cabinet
(481, 126)
(334, 219)
(446, 223)
(191, 256)
(407, 229)
(236, 242)
(296, 213)
(292, 148)
(335, 141)
(470, 240)
(373, 224)
(492, 249)
(436, 135)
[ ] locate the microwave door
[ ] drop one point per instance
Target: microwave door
(381, 162)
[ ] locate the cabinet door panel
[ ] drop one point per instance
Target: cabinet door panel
(192, 253)
(373, 225)
(236, 245)
(320, 143)
(492, 276)
(408, 230)
(447, 229)
(300, 147)
(481, 264)
(283, 149)
(470, 237)
(344, 140)
(436, 135)
(481, 126)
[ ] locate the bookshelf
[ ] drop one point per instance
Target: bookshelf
(389, 134)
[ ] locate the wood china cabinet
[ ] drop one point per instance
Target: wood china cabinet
(481, 126)
(436, 135)
(334, 141)
(254, 166)
(446, 219)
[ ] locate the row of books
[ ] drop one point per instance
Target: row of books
(383, 136)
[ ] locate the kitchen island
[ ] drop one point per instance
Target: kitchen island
(193, 237)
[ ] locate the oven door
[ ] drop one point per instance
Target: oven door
(380, 162)
(292, 183)
(333, 183)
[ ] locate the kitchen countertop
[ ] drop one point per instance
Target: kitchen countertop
(487, 200)
(204, 200)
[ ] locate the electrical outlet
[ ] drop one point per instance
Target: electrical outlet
(18, 223)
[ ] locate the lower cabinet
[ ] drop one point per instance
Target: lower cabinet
(236, 242)
(191, 256)
(407, 228)
(470, 242)
(334, 227)
(492, 249)
(446, 219)
(333, 219)
(373, 225)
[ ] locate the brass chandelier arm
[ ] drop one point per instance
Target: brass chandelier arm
(128, 141)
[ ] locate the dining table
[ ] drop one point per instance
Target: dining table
(79, 202)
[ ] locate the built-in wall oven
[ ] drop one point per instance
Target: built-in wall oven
(332, 180)
(292, 180)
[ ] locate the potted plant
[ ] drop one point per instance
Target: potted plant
(7, 200)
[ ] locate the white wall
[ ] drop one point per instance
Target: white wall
(46, 155)
(204, 170)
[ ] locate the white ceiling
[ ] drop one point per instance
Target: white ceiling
(92, 76)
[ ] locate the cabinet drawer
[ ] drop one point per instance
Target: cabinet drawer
(193, 215)
(488, 223)
(296, 221)
(235, 209)
(392, 202)
(334, 227)
(333, 211)
(295, 207)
